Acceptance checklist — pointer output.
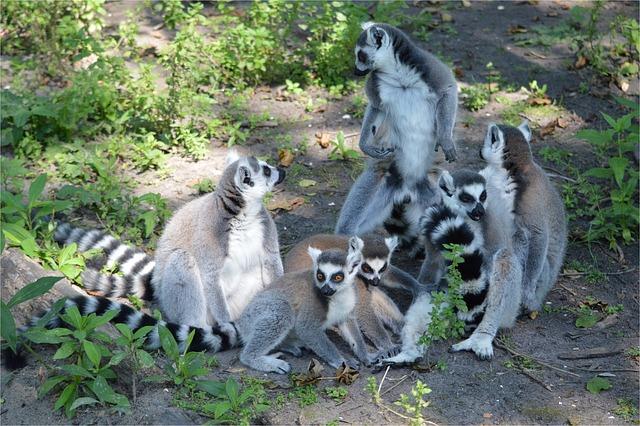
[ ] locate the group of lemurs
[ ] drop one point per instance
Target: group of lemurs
(217, 270)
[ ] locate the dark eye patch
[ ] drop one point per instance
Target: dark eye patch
(483, 196)
(266, 170)
(366, 268)
(384, 268)
(465, 198)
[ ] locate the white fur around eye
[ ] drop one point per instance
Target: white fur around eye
(376, 264)
(328, 269)
(474, 190)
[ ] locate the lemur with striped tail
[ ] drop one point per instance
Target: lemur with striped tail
(214, 255)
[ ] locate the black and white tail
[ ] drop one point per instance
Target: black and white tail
(440, 225)
(213, 339)
(135, 267)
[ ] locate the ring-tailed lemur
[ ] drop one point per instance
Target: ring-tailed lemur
(297, 309)
(415, 96)
(374, 310)
(456, 220)
(211, 338)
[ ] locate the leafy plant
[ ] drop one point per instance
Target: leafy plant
(415, 404)
(626, 409)
(28, 292)
(305, 395)
(204, 186)
(185, 366)
(130, 348)
(598, 384)
(340, 150)
(338, 394)
(475, 97)
(84, 381)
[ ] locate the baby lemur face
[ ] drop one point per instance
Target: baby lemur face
(254, 178)
(464, 192)
(374, 265)
(372, 47)
(334, 269)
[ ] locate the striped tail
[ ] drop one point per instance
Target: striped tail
(135, 266)
(214, 339)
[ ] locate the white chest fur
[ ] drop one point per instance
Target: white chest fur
(411, 103)
(340, 306)
(506, 188)
(242, 276)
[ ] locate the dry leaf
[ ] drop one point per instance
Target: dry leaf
(323, 140)
(287, 204)
(571, 273)
(562, 123)
(446, 17)
(623, 84)
(548, 128)
(458, 72)
(581, 62)
(533, 314)
(552, 14)
(346, 375)
(312, 375)
(517, 29)
(466, 3)
(539, 101)
(305, 183)
(286, 157)
(565, 7)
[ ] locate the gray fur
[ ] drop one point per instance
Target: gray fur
(296, 310)
(411, 112)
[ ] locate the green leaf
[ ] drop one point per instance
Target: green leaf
(33, 290)
(42, 335)
(118, 357)
(8, 326)
(612, 121)
(76, 370)
(146, 360)
(92, 352)
(83, 401)
(232, 388)
(305, 183)
(65, 351)
(125, 330)
(72, 317)
(212, 387)
(52, 312)
(168, 343)
(65, 396)
(101, 320)
(587, 320)
(49, 384)
(618, 165)
(142, 332)
(599, 172)
(598, 384)
(36, 187)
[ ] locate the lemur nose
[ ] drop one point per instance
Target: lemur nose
(362, 57)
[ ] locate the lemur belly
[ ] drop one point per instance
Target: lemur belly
(242, 276)
(413, 112)
(340, 307)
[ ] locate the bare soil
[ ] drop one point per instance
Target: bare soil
(467, 390)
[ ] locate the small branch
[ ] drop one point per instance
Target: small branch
(556, 175)
(396, 385)
(500, 345)
(535, 379)
(605, 370)
(351, 135)
(568, 290)
(601, 352)
(577, 274)
(382, 381)
(536, 55)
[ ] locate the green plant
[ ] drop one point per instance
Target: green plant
(626, 409)
(340, 150)
(204, 186)
(338, 394)
(415, 404)
(130, 348)
(475, 97)
(185, 366)
(445, 323)
(633, 352)
(598, 384)
(305, 395)
(84, 381)
(28, 292)
(373, 389)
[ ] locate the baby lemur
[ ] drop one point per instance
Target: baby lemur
(374, 310)
(297, 309)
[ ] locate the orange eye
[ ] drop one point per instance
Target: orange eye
(366, 268)
(338, 278)
(320, 276)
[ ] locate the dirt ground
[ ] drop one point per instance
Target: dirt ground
(467, 391)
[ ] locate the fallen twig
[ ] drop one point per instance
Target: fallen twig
(600, 352)
(577, 274)
(396, 385)
(603, 370)
(534, 378)
(544, 364)
(568, 290)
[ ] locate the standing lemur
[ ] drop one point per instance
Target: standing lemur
(214, 255)
(415, 95)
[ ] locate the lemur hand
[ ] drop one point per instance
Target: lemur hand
(449, 151)
(378, 153)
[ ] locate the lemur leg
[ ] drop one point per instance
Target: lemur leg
(397, 278)
(373, 115)
(416, 323)
(260, 337)
(386, 309)
(377, 210)
(432, 269)
(445, 121)
(359, 195)
(292, 346)
(350, 331)
(315, 338)
(372, 327)
(535, 262)
(182, 287)
(503, 304)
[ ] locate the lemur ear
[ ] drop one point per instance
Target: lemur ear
(445, 182)
(391, 243)
(366, 25)
(378, 35)
(525, 130)
(232, 156)
(495, 135)
(355, 244)
(314, 253)
(245, 174)
(354, 255)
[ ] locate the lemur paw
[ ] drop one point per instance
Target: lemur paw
(349, 362)
(403, 358)
(380, 152)
(480, 344)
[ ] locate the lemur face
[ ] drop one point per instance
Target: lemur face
(334, 270)
(372, 269)
(255, 178)
(464, 192)
(372, 45)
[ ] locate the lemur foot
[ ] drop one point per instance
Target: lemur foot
(295, 351)
(480, 344)
(403, 358)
